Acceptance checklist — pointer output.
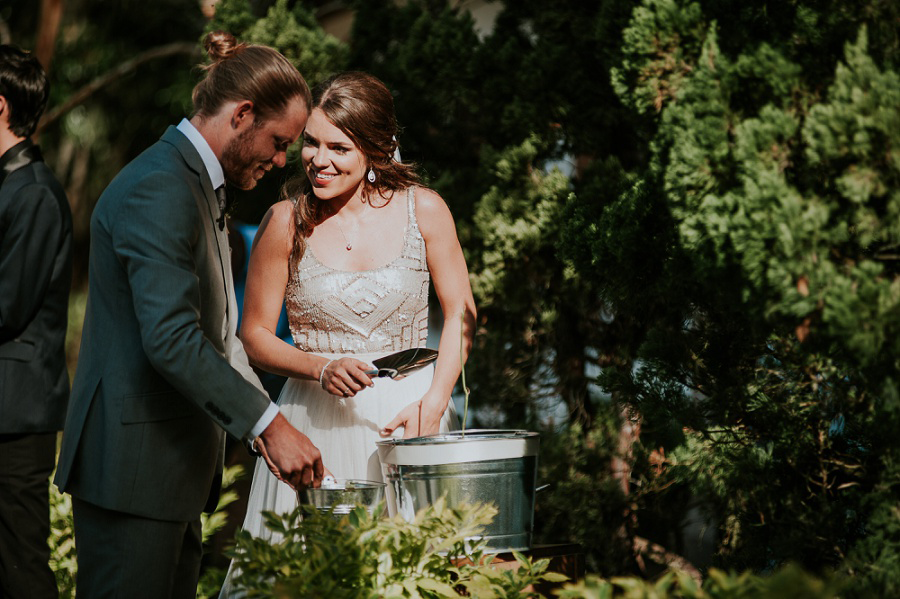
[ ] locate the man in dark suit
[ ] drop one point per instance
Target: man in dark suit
(161, 372)
(35, 276)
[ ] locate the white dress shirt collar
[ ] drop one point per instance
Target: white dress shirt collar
(216, 175)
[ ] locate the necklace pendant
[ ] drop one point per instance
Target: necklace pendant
(349, 247)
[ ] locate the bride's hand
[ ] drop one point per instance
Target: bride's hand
(345, 377)
(417, 419)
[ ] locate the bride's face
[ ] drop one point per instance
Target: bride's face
(332, 162)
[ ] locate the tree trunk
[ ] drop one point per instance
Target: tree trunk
(570, 356)
(51, 15)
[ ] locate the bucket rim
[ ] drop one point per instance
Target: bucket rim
(349, 484)
(461, 436)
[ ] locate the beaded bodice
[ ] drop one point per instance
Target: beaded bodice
(383, 309)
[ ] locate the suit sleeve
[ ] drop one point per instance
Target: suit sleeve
(154, 237)
(28, 249)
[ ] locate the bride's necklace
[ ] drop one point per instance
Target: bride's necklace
(349, 245)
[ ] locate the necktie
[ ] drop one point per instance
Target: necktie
(220, 196)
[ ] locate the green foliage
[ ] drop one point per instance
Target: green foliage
(317, 554)
(853, 135)
(575, 465)
(463, 94)
(751, 191)
(211, 579)
(63, 560)
(531, 308)
(653, 67)
(557, 62)
(790, 582)
(233, 16)
(761, 328)
(875, 559)
(428, 54)
(214, 522)
(518, 216)
(292, 30)
(823, 472)
(808, 246)
(724, 249)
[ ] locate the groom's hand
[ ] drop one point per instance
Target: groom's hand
(290, 454)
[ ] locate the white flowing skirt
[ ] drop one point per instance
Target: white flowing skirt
(344, 430)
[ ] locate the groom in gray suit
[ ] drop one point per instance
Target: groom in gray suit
(160, 372)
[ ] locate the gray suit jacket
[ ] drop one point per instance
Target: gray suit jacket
(35, 276)
(154, 388)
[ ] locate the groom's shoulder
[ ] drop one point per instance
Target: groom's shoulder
(162, 157)
(159, 171)
(168, 153)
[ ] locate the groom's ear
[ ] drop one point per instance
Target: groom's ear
(4, 113)
(242, 115)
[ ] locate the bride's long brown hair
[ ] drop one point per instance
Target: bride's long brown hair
(362, 107)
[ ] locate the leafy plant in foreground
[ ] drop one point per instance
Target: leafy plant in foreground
(362, 555)
(789, 583)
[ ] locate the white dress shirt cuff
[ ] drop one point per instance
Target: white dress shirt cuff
(266, 419)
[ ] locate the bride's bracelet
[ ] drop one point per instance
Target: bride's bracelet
(322, 374)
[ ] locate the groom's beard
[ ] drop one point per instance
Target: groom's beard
(241, 166)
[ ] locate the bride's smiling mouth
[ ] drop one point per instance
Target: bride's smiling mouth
(323, 178)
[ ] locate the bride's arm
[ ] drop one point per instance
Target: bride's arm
(267, 279)
(451, 283)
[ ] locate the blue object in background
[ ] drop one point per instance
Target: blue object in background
(240, 238)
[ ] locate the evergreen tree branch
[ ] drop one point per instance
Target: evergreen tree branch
(188, 48)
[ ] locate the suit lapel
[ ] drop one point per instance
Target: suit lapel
(195, 163)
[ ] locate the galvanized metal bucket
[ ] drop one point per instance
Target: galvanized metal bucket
(474, 466)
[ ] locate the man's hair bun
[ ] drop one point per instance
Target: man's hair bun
(220, 45)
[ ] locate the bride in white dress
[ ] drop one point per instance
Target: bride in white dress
(352, 255)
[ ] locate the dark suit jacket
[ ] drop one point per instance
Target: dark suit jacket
(35, 277)
(153, 386)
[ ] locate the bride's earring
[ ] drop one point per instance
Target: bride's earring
(371, 175)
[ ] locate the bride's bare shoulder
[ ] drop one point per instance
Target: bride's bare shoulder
(432, 211)
(279, 216)
(282, 210)
(277, 222)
